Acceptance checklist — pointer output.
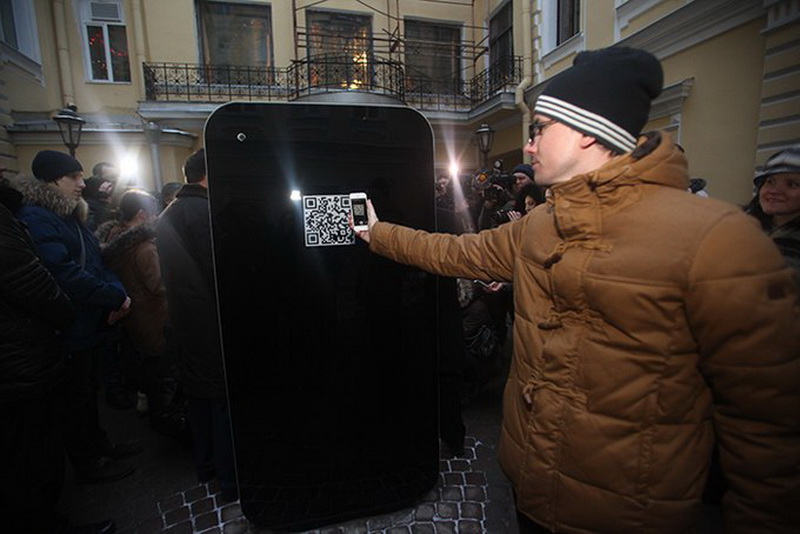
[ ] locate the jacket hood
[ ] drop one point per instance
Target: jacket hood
(128, 239)
(38, 193)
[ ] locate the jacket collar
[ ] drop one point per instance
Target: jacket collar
(576, 202)
(192, 190)
(38, 193)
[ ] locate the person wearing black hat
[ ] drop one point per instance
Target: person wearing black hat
(54, 213)
(523, 175)
(635, 305)
(776, 203)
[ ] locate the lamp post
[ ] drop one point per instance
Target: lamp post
(485, 136)
(70, 125)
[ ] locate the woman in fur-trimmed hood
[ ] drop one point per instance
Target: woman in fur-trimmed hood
(131, 253)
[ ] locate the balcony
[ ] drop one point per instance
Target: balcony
(192, 82)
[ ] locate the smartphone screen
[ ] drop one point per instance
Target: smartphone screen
(358, 206)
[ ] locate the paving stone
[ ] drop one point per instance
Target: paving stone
(397, 530)
(176, 516)
(230, 512)
(202, 506)
(459, 465)
(471, 510)
(469, 527)
(445, 527)
(475, 478)
(452, 493)
(423, 528)
(453, 479)
(424, 512)
(206, 521)
(474, 493)
(196, 493)
(447, 510)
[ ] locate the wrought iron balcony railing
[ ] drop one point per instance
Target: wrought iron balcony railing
(188, 82)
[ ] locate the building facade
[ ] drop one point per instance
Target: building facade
(146, 74)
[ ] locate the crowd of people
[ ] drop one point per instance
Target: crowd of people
(84, 306)
(650, 326)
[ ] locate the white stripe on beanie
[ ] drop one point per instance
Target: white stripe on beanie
(587, 122)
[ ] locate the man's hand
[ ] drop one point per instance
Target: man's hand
(372, 218)
(123, 311)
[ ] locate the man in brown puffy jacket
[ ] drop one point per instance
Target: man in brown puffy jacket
(648, 323)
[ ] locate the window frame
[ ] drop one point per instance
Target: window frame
(86, 22)
(202, 36)
(552, 50)
(26, 32)
(457, 78)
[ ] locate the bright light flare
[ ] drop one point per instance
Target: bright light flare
(295, 196)
(454, 170)
(129, 167)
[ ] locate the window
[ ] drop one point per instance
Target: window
(501, 35)
(568, 20)
(561, 30)
(106, 40)
(339, 49)
(432, 57)
(235, 34)
(18, 28)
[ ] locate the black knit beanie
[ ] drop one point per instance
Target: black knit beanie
(606, 94)
(49, 165)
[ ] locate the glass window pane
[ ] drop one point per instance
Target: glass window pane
(568, 17)
(236, 34)
(120, 62)
(338, 33)
(432, 57)
(97, 52)
(9, 31)
(501, 35)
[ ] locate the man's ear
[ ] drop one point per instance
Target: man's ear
(587, 141)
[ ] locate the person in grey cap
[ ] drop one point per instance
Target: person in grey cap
(648, 323)
(776, 203)
(54, 213)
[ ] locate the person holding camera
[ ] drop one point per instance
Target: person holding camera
(649, 324)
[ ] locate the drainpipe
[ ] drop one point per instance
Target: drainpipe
(64, 71)
(527, 78)
(138, 30)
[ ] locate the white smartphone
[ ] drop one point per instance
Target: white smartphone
(358, 208)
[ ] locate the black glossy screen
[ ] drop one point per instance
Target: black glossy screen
(330, 351)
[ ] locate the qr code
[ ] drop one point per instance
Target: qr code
(325, 220)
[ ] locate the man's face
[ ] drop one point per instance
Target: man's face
(521, 180)
(553, 151)
(70, 185)
(780, 194)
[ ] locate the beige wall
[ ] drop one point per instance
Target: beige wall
(719, 122)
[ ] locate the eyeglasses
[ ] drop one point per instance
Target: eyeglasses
(536, 128)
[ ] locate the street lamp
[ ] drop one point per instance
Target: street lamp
(70, 125)
(485, 136)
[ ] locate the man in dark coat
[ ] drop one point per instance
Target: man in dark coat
(33, 308)
(183, 239)
(54, 213)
